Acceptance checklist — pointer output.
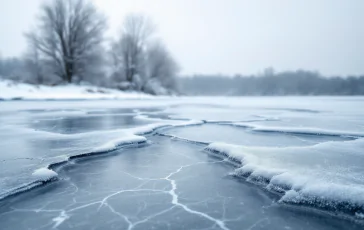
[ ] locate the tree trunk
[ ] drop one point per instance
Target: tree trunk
(69, 71)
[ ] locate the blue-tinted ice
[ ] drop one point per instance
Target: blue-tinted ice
(201, 163)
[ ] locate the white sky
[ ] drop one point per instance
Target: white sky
(230, 36)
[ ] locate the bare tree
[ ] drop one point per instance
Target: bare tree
(69, 33)
(162, 66)
(33, 65)
(128, 51)
(142, 61)
(12, 68)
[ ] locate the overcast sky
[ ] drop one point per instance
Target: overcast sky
(230, 36)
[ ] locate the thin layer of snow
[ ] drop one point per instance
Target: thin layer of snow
(189, 123)
(44, 174)
(13, 90)
(171, 121)
(299, 130)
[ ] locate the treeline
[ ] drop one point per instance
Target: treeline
(68, 45)
(284, 83)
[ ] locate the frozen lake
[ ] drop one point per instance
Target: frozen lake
(183, 163)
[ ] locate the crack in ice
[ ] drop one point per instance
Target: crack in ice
(60, 219)
(65, 214)
(175, 197)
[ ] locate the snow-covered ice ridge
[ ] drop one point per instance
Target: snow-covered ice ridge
(304, 175)
(133, 137)
(182, 139)
(10, 90)
(298, 130)
(46, 175)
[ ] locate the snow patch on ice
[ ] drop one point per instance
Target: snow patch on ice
(298, 130)
(359, 215)
(114, 144)
(44, 174)
(173, 137)
(147, 129)
(189, 123)
(147, 118)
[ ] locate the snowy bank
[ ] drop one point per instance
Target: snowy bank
(10, 90)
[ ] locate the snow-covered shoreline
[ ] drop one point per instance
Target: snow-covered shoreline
(10, 90)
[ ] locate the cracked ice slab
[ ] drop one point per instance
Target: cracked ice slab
(47, 141)
(37, 134)
(164, 185)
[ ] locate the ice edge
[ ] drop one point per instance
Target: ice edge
(288, 193)
(135, 138)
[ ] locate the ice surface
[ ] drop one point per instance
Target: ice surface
(88, 123)
(271, 148)
(151, 188)
(211, 113)
(215, 132)
(47, 138)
